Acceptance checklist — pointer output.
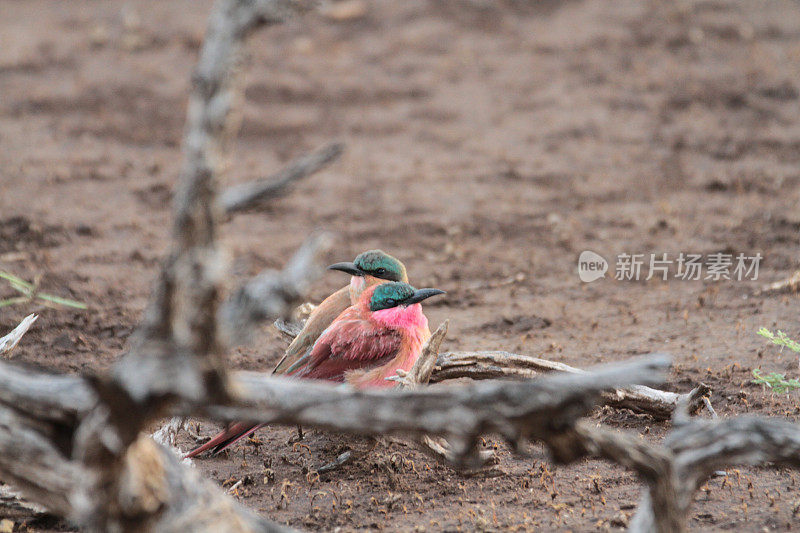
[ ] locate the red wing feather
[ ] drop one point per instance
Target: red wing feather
(320, 319)
(225, 438)
(349, 344)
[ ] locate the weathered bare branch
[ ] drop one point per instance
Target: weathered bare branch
(288, 327)
(547, 409)
(499, 364)
(33, 462)
(167, 434)
(158, 493)
(790, 284)
(420, 373)
(655, 402)
(271, 293)
(246, 195)
(10, 341)
(177, 353)
(184, 304)
(48, 397)
(515, 410)
(706, 446)
(699, 448)
(652, 463)
(292, 326)
(178, 345)
(155, 491)
(12, 500)
(77, 447)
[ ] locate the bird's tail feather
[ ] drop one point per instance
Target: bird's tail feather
(225, 438)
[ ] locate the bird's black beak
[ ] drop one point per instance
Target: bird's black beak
(349, 268)
(422, 294)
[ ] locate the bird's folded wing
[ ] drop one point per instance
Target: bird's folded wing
(348, 345)
(325, 313)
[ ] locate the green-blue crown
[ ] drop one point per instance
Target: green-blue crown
(389, 295)
(381, 265)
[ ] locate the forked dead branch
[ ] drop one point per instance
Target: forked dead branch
(77, 446)
(49, 410)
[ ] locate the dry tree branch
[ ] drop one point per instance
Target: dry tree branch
(499, 364)
(420, 373)
(515, 410)
(701, 447)
(544, 409)
(271, 293)
(39, 413)
(790, 284)
(155, 491)
(77, 445)
(674, 470)
(246, 195)
(292, 326)
(651, 462)
(9, 342)
(177, 352)
(32, 461)
(547, 409)
(168, 496)
(12, 500)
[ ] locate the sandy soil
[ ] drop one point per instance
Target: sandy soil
(486, 147)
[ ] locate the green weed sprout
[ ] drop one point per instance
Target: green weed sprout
(780, 338)
(30, 292)
(776, 381)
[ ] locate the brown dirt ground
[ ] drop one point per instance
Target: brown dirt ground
(483, 143)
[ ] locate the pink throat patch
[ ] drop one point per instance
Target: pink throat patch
(357, 284)
(400, 317)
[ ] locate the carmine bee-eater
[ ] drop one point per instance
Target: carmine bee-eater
(368, 269)
(368, 342)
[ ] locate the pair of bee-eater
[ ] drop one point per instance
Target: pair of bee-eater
(361, 334)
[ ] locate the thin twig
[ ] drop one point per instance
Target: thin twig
(272, 293)
(246, 195)
(291, 327)
(420, 373)
(341, 460)
(790, 284)
(10, 341)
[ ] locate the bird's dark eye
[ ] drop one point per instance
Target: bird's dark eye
(380, 271)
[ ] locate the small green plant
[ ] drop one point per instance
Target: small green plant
(30, 292)
(780, 338)
(776, 381)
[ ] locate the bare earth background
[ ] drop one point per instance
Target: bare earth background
(486, 147)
